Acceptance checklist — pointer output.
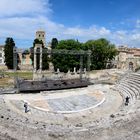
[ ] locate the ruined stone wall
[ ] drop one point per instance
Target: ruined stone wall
(26, 67)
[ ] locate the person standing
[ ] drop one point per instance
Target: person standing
(127, 100)
(26, 107)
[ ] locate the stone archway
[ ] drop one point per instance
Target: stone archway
(131, 66)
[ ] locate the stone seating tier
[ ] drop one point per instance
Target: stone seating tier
(133, 84)
(127, 91)
(132, 92)
(132, 87)
(132, 79)
(133, 75)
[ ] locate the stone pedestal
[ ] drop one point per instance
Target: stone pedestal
(58, 71)
(51, 67)
(74, 71)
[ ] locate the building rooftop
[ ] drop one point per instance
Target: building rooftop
(2, 46)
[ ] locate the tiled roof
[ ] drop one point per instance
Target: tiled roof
(2, 46)
(137, 53)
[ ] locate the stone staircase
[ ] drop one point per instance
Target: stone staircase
(130, 86)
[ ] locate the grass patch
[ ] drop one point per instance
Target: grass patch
(24, 75)
(6, 82)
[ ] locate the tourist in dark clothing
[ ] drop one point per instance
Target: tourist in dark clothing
(127, 100)
(26, 107)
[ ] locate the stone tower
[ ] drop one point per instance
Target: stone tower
(41, 35)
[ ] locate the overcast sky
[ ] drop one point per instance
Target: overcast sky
(116, 20)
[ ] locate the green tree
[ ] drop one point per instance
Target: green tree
(45, 59)
(66, 62)
(54, 43)
(102, 52)
(25, 52)
(8, 51)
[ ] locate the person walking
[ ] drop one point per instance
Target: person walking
(26, 107)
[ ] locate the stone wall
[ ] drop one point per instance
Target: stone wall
(127, 58)
(26, 67)
(3, 67)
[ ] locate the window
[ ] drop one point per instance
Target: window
(0, 54)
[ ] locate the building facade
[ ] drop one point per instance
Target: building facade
(128, 58)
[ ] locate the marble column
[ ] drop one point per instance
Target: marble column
(81, 66)
(35, 60)
(74, 71)
(40, 59)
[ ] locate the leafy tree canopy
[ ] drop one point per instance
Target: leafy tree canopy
(37, 41)
(66, 62)
(102, 52)
(69, 44)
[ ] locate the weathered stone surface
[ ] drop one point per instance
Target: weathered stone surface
(94, 124)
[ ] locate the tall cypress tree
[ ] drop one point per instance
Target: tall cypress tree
(8, 51)
(54, 43)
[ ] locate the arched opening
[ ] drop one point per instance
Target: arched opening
(130, 66)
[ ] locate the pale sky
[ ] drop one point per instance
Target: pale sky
(115, 20)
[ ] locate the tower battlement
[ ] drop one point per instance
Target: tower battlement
(41, 35)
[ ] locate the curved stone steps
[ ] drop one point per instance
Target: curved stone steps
(134, 85)
(131, 76)
(125, 109)
(132, 79)
(130, 92)
(134, 88)
(130, 86)
(125, 93)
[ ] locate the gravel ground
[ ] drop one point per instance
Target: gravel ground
(14, 126)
